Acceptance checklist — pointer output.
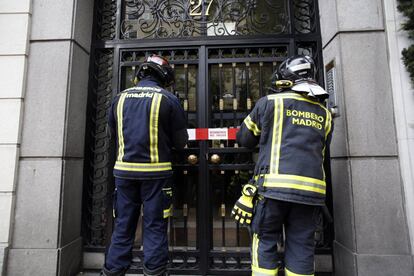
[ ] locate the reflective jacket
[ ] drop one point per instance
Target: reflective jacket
(147, 122)
(293, 132)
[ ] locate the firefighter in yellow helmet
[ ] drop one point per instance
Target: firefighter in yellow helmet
(293, 129)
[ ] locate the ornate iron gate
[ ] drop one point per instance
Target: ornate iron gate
(224, 52)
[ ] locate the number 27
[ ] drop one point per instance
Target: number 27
(197, 9)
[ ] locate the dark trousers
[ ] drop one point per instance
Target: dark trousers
(299, 221)
(155, 196)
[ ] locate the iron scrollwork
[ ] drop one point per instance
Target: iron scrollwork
(105, 19)
(190, 18)
(99, 169)
(304, 16)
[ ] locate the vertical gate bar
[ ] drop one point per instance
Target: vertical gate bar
(222, 212)
(248, 97)
(233, 72)
(186, 101)
(291, 15)
(141, 217)
(261, 80)
(186, 209)
(320, 64)
(187, 179)
(118, 19)
(238, 229)
(204, 213)
(238, 234)
(292, 47)
(316, 21)
(116, 72)
(172, 231)
(274, 66)
(221, 100)
(319, 45)
(173, 88)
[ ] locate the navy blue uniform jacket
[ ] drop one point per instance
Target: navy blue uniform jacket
(147, 121)
(293, 132)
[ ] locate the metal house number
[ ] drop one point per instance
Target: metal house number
(196, 8)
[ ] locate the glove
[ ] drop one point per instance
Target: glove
(243, 209)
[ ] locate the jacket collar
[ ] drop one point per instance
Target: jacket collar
(149, 82)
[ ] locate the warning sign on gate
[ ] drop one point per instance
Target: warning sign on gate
(212, 134)
(217, 134)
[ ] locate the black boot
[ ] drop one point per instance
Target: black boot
(106, 272)
(160, 271)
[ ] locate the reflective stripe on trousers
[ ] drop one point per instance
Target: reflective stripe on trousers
(257, 271)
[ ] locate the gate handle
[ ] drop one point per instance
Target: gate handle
(215, 159)
(192, 159)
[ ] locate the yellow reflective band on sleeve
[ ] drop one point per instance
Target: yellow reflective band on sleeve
(290, 273)
(277, 135)
(328, 123)
(257, 271)
(328, 126)
(119, 114)
(251, 126)
(143, 167)
(153, 131)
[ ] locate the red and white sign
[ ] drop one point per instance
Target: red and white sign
(212, 134)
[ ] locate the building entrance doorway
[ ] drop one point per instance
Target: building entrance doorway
(217, 86)
(219, 78)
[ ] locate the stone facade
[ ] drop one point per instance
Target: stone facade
(403, 100)
(44, 68)
(371, 209)
(15, 18)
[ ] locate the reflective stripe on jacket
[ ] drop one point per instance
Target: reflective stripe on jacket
(292, 131)
(144, 120)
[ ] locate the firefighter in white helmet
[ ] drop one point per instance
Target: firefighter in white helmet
(292, 128)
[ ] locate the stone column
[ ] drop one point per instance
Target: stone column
(14, 32)
(371, 233)
(46, 238)
(403, 99)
